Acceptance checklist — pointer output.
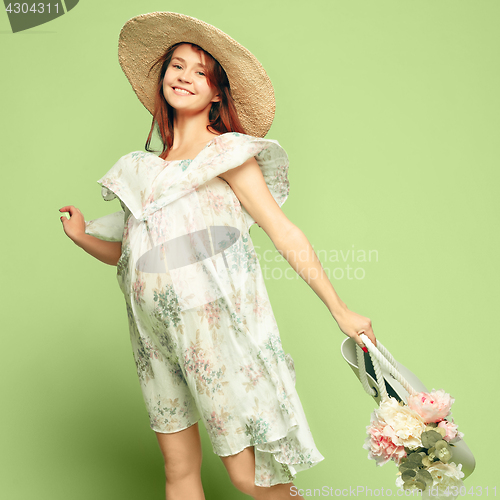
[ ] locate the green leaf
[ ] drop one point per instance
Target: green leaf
(415, 458)
(425, 476)
(419, 485)
(408, 475)
(430, 438)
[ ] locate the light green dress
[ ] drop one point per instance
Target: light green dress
(204, 337)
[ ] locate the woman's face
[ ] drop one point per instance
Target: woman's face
(185, 85)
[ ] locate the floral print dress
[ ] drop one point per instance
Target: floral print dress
(205, 341)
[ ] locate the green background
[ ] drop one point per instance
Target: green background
(389, 112)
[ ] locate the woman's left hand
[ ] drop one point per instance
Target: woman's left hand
(352, 324)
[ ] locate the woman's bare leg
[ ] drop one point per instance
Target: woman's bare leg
(182, 454)
(241, 470)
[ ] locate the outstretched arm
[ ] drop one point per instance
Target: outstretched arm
(249, 186)
(108, 252)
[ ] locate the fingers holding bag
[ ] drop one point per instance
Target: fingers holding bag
(353, 325)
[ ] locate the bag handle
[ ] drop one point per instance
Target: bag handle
(379, 355)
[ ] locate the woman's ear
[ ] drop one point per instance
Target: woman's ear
(216, 98)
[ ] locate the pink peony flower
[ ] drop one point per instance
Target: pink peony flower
(452, 433)
(382, 442)
(432, 407)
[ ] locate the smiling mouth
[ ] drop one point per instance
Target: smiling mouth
(180, 91)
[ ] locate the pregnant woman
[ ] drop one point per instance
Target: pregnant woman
(205, 341)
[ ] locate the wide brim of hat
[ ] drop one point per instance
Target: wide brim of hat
(143, 39)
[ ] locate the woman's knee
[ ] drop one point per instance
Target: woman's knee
(241, 470)
(244, 483)
(182, 468)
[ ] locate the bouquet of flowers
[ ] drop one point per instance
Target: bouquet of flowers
(420, 440)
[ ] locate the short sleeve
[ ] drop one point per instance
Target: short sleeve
(107, 228)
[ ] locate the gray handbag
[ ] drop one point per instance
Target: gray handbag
(382, 376)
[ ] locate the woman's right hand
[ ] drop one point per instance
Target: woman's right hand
(353, 324)
(74, 227)
(108, 252)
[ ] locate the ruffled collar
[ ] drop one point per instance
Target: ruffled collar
(145, 182)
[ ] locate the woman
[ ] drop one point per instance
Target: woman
(205, 341)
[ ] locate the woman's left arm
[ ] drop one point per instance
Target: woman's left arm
(251, 189)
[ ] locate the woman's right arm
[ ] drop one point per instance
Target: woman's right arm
(108, 252)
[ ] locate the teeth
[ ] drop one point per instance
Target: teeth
(182, 91)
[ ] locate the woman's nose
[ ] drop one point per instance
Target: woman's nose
(185, 77)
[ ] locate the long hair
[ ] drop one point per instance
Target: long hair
(223, 116)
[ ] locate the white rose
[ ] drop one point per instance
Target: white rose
(408, 425)
(447, 481)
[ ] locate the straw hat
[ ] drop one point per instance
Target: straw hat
(144, 38)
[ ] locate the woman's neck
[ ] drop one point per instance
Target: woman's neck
(190, 136)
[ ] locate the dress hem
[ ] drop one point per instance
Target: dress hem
(304, 465)
(247, 446)
(173, 432)
(272, 440)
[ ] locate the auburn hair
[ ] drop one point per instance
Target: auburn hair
(223, 116)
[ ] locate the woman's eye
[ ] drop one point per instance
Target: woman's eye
(201, 73)
(177, 66)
